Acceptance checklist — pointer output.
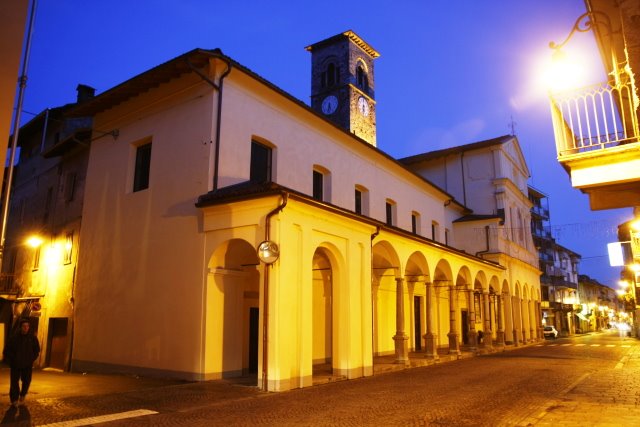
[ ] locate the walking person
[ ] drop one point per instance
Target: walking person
(20, 352)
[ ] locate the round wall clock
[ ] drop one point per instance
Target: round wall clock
(329, 104)
(363, 106)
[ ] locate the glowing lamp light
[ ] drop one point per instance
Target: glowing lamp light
(620, 292)
(635, 225)
(564, 73)
(623, 284)
(34, 241)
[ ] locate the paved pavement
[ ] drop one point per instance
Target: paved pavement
(583, 381)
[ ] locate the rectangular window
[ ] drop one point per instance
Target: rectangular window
(68, 248)
(260, 168)
(434, 231)
(47, 204)
(69, 186)
(318, 184)
(389, 208)
(143, 167)
(415, 222)
(446, 236)
(36, 258)
(358, 202)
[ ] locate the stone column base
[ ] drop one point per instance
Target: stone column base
(430, 349)
(402, 353)
(454, 345)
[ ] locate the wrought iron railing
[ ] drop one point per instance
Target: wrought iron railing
(7, 283)
(596, 117)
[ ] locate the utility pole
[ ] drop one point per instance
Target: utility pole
(22, 83)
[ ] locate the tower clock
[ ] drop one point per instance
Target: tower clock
(342, 84)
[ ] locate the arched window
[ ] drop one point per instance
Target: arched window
(331, 76)
(362, 80)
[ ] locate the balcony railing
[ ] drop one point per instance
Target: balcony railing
(596, 117)
(7, 283)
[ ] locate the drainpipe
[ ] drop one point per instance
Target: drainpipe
(22, 84)
(217, 87)
(265, 315)
(373, 236)
(464, 187)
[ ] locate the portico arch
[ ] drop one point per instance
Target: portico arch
(322, 308)
(417, 280)
(446, 307)
(386, 269)
(232, 314)
(464, 301)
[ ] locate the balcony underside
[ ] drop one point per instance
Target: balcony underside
(610, 177)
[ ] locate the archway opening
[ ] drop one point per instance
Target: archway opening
(322, 312)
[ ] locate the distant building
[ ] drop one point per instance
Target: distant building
(43, 228)
(599, 305)
(559, 267)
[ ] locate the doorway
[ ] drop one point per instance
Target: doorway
(254, 319)
(417, 323)
(57, 342)
(464, 320)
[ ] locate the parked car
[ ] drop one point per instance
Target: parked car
(550, 332)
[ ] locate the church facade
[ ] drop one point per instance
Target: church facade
(229, 229)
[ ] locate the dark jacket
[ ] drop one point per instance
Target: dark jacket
(21, 350)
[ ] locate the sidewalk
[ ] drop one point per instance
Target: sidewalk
(54, 384)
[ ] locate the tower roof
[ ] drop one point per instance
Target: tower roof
(349, 35)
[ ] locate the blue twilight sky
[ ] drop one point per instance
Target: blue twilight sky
(450, 72)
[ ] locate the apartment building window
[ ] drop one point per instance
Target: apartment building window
(415, 222)
(434, 231)
(446, 236)
(68, 248)
(390, 211)
(358, 202)
(69, 186)
(261, 161)
(142, 167)
(36, 258)
(47, 204)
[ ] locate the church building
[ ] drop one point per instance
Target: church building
(229, 229)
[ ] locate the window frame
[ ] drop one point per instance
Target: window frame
(142, 166)
(267, 174)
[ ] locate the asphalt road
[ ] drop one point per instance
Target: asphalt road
(586, 380)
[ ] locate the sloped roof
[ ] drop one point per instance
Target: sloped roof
(473, 217)
(198, 58)
(349, 35)
(456, 150)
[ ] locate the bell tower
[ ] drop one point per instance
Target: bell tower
(342, 83)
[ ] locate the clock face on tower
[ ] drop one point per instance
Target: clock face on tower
(363, 106)
(329, 104)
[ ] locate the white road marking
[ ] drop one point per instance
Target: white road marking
(101, 418)
(625, 345)
(610, 345)
(580, 345)
(595, 345)
(565, 345)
